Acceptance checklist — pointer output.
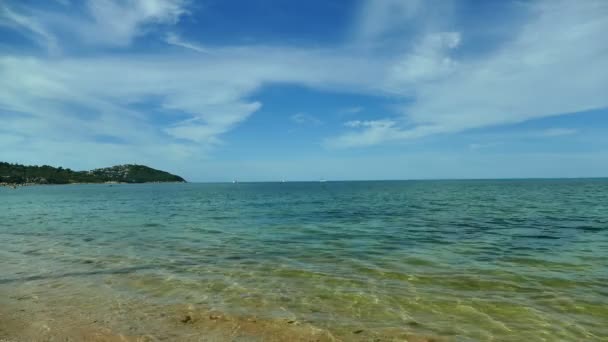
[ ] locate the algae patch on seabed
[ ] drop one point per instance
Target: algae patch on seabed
(52, 317)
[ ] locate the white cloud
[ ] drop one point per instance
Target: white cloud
(351, 110)
(206, 127)
(305, 119)
(374, 132)
(378, 18)
(428, 61)
(174, 39)
(558, 132)
(29, 26)
(555, 65)
(119, 22)
(106, 23)
(184, 100)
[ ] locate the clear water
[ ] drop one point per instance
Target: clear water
(467, 260)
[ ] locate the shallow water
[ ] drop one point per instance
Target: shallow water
(465, 260)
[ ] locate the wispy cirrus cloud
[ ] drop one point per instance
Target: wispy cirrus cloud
(30, 27)
(557, 132)
(524, 79)
(373, 132)
(185, 101)
(306, 119)
(119, 22)
(105, 23)
(218, 119)
(351, 110)
(174, 39)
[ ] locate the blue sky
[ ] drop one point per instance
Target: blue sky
(302, 90)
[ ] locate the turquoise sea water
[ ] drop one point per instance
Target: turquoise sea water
(466, 260)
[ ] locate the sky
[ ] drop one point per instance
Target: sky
(261, 90)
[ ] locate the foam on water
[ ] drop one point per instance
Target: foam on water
(466, 260)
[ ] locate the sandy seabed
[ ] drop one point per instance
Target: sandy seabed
(27, 315)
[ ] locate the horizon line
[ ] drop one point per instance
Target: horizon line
(400, 180)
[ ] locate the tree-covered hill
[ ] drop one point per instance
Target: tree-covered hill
(22, 174)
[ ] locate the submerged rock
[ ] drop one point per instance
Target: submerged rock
(214, 317)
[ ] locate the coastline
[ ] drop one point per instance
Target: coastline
(18, 185)
(13, 175)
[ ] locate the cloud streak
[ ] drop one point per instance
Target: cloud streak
(174, 39)
(558, 132)
(104, 23)
(119, 22)
(30, 27)
(305, 119)
(554, 66)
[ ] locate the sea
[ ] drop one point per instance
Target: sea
(452, 260)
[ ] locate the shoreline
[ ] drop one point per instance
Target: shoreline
(19, 185)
